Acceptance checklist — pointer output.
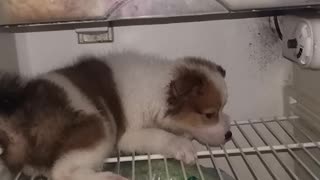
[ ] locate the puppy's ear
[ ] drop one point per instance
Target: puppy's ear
(11, 93)
(183, 87)
(221, 71)
(186, 85)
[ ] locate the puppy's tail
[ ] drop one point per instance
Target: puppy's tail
(11, 93)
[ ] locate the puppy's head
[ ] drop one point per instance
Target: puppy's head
(196, 98)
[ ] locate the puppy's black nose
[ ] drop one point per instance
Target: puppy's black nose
(228, 135)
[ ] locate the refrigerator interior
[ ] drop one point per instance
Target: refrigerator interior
(274, 103)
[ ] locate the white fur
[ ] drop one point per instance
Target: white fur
(213, 135)
(158, 141)
(76, 98)
(82, 164)
(141, 81)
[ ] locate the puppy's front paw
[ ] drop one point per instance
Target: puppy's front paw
(182, 149)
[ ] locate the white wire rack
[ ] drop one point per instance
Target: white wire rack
(274, 148)
(268, 148)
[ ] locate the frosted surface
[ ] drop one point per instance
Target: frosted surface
(138, 8)
(35, 11)
(257, 4)
(27, 11)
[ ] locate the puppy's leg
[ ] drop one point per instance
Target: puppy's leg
(86, 145)
(158, 141)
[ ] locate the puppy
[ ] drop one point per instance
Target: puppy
(67, 121)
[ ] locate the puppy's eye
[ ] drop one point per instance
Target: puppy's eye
(211, 115)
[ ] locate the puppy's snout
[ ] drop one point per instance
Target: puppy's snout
(228, 135)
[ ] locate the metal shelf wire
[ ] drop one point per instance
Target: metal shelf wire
(287, 138)
(270, 148)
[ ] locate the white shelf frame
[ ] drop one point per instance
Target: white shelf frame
(163, 19)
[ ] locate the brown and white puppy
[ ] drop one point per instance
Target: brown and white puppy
(68, 120)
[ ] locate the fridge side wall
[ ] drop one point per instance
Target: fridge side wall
(9, 59)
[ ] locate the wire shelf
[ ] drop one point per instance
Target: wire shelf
(291, 146)
(268, 148)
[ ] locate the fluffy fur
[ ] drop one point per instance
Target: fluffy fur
(67, 121)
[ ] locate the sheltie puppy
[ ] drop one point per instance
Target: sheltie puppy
(67, 121)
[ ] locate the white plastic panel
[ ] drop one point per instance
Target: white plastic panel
(260, 4)
(161, 8)
(8, 58)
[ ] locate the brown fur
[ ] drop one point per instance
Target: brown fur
(50, 128)
(47, 122)
(95, 79)
(15, 153)
(84, 134)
